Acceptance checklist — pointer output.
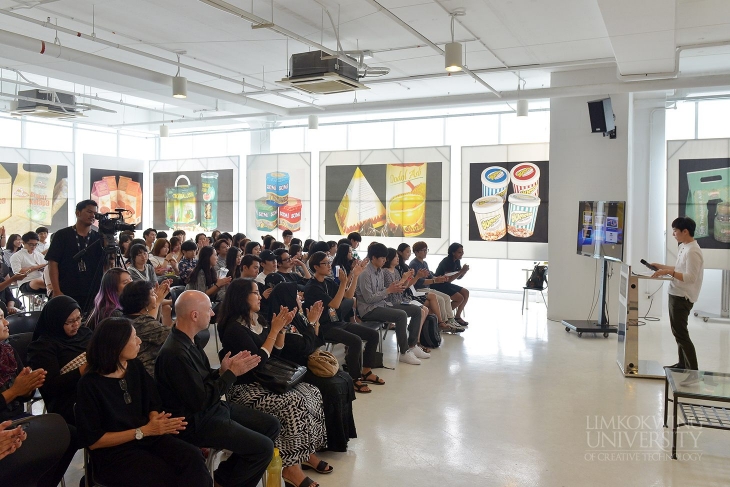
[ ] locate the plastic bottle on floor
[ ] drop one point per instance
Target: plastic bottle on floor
(273, 471)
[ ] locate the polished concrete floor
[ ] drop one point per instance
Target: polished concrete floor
(517, 401)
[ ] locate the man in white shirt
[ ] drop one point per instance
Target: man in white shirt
(684, 289)
(42, 243)
(31, 263)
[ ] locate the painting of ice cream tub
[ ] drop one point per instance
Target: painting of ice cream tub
(489, 212)
(522, 214)
(405, 194)
(526, 179)
(495, 180)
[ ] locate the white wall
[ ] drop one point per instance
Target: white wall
(583, 166)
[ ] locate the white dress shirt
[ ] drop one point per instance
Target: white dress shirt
(692, 266)
(22, 258)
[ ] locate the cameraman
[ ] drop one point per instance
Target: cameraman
(79, 279)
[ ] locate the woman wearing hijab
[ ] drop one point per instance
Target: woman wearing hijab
(59, 346)
(338, 391)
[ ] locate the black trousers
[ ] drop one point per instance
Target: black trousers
(246, 432)
(679, 309)
(352, 335)
(156, 460)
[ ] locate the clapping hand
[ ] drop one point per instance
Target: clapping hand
(163, 424)
(281, 319)
(315, 311)
(240, 363)
(10, 439)
(27, 381)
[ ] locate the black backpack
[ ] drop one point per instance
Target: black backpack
(538, 278)
(430, 333)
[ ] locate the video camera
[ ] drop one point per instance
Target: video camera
(108, 227)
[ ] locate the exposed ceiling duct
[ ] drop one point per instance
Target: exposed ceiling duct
(110, 66)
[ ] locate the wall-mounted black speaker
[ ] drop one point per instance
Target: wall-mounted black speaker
(601, 115)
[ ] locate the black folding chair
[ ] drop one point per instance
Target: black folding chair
(23, 322)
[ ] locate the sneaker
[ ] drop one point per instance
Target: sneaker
(452, 322)
(409, 358)
(458, 328)
(419, 353)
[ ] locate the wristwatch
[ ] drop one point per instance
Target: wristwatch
(138, 435)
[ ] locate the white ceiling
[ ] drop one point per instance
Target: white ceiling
(529, 37)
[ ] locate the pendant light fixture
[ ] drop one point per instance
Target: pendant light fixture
(523, 105)
(179, 83)
(453, 52)
(164, 129)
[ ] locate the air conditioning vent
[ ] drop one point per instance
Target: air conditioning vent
(326, 84)
(46, 104)
(319, 73)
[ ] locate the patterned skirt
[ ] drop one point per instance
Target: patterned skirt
(299, 411)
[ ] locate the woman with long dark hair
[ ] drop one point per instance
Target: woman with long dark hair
(233, 262)
(343, 258)
(130, 441)
(106, 302)
(204, 277)
(303, 339)
(300, 409)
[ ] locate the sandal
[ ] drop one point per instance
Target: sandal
(322, 466)
(372, 379)
(425, 349)
(360, 387)
(307, 482)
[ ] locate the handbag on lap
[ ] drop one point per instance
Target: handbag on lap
(279, 375)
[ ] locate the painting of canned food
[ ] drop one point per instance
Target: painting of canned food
(508, 201)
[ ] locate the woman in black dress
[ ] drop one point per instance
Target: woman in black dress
(299, 410)
(302, 340)
(120, 420)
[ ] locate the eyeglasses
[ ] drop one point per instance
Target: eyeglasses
(286, 260)
(31, 244)
(73, 320)
(127, 397)
(423, 250)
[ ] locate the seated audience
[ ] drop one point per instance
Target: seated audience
(344, 259)
(299, 410)
(188, 261)
(17, 385)
(233, 262)
(149, 235)
(59, 346)
(253, 248)
(106, 302)
(190, 388)
(31, 263)
(237, 238)
(287, 236)
(354, 239)
(139, 268)
(267, 241)
(125, 241)
(372, 306)
(162, 260)
(204, 277)
(448, 265)
(201, 240)
(333, 247)
(304, 338)
(214, 236)
(221, 247)
(390, 275)
(426, 279)
(122, 422)
(43, 242)
(269, 265)
(141, 304)
(285, 264)
(338, 302)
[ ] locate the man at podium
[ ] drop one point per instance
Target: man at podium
(684, 288)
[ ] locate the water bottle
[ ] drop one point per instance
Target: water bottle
(273, 471)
